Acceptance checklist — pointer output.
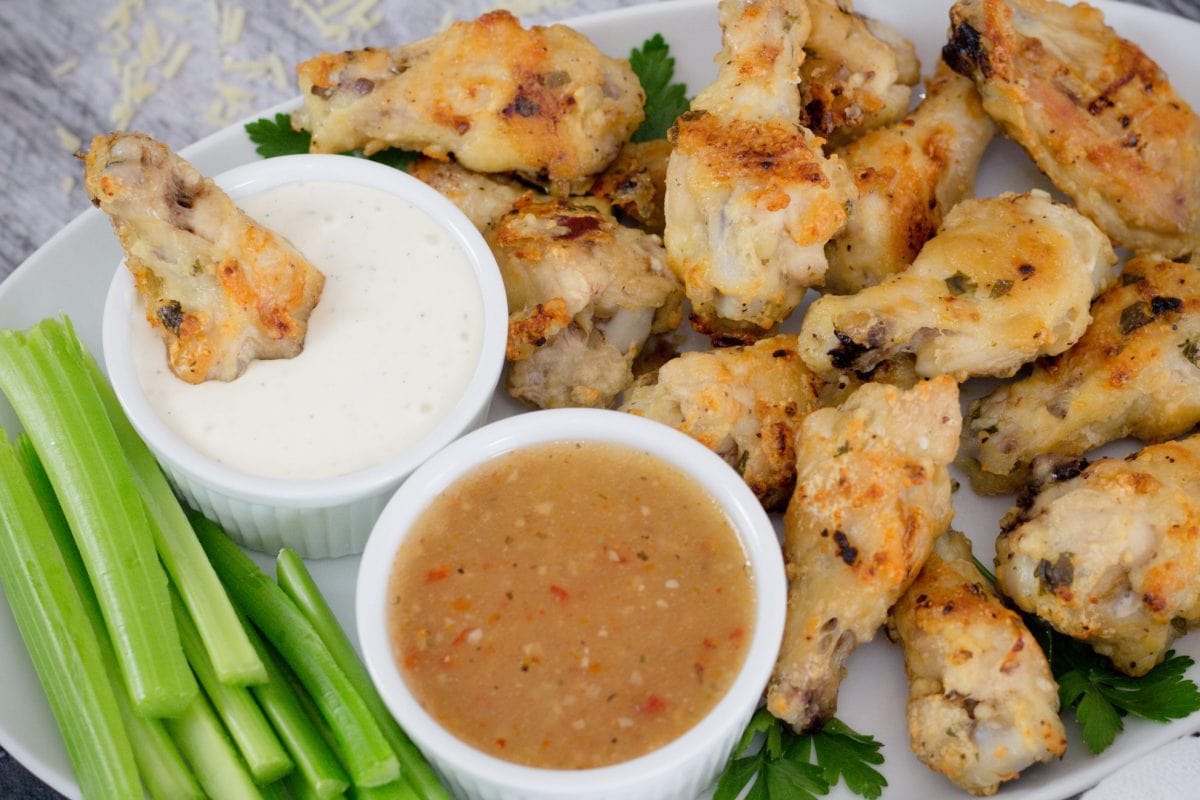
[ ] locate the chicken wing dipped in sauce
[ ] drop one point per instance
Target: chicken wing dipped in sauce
(743, 403)
(872, 493)
(542, 102)
(751, 199)
(909, 175)
(1005, 280)
(1135, 372)
(1095, 113)
(858, 73)
(1109, 552)
(982, 702)
(584, 294)
(219, 288)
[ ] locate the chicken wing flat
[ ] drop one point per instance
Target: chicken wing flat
(1096, 113)
(909, 175)
(858, 73)
(982, 702)
(219, 288)
(483, 198)
(1005, 280)
(1110, 554)
(636, 183)
(542, 102)
(1135, 372)
(872, 493)
(743, 403)
(584, 293)
(751, 200)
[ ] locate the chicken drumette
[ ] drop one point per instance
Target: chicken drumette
(1135, 372)
(1109, 553)
(1005, 280)
(751, 200)
(982, 703)
(220, 289)
(872, 493)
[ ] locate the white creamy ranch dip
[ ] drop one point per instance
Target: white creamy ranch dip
(391, 345)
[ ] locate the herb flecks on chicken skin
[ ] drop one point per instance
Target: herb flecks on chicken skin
(1095, 112)
(1135, 372)
(858, 73)
(872, 493)
(1005, 280)
(743, 403)
(584, 294)
(220, 289)
(909, 175)
(483, 198)
(542, 102)
(982, 702)
(1109, 552)
(751, 200)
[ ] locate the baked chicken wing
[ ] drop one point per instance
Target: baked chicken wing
(872, 493)
(909, 175)
(751, 200)
(743, 403)
(219, 288)
(636, 183)
(858, 73)
(584, 293)
(1135, 372)
(982, 703)
(482, 197)
(1005, 280)
(542, 102)
(1109, 553)
(1096, 113)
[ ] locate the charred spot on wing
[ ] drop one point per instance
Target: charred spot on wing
(964, 52)
(847, 353)
(1057, 575)
(170, 314)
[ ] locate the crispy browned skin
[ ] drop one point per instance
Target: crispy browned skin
(1096, 113)
(482, 197)
(584, 293)
(542, 102)
(743, 403)
(636, 183)
(858, 73)
(1135, 372)
(982, 703)
(219, 288)
(1110, 555)
(751, 200)
(909, 175)
(1005, 280)
(872, 493)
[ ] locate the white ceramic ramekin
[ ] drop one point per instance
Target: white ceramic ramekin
(318, 518)
(681, 769)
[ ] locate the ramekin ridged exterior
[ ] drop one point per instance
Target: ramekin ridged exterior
(683, 768)
(317, 518)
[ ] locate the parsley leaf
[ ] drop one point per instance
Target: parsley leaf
(782, 767)
(1099, 695)
(276, 138)
(665, 101)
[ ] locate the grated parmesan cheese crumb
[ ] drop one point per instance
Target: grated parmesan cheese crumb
(65, 68)
(67, 140)
(67, 184)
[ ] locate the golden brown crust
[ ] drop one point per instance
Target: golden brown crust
(220, 289)
(636, 183)
(1095, 112)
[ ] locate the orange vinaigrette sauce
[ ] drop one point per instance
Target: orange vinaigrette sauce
(571, 605)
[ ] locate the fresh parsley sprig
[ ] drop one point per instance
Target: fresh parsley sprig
(782, 768)
(1099, 695)
(654, 67)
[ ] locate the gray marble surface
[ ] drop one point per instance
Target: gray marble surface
(65, 62)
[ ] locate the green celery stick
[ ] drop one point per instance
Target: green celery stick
(206, 746)
(232, 656)
(62, 645)
(364, 751)
(164, 772)
(243, 719)
(316, 765)
(295, 579)
(48, 386)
